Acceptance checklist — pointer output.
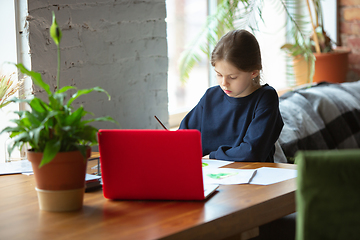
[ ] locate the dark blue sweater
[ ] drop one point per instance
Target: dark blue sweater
(238, 129)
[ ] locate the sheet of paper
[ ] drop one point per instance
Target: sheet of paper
(27, 173)
(269, 175)
(227, 176)
(212, 163)
(89, 177)
(14, 167)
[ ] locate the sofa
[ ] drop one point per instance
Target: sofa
(321, 117)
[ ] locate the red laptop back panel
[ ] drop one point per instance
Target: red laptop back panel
(151, 164)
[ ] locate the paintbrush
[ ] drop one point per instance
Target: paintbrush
(161, 123)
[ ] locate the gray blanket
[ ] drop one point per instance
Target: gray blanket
(325, 116)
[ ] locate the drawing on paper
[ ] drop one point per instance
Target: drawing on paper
(221, 175)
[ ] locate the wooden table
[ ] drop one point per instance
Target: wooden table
(233, 209)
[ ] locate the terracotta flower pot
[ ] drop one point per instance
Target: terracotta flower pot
(301, 70)
(60, 184)
(329, 67)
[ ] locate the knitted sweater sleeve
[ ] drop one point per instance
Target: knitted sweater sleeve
(261, 135)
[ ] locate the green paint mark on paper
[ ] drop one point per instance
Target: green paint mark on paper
(220, 175)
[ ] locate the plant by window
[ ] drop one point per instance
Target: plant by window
(235, 14)
(53, 126)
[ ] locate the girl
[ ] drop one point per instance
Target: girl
(239, 119)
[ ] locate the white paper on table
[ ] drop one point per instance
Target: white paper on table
(227, 176)
(269, 175)
(90, 177)
(209, 163)
(14, 167)
(27, 173)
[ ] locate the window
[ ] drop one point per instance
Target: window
(8, 54)
(184, 20)
(14, 48)
(186, 17)
(271, 36)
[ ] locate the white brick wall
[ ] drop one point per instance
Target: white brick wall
(117, 45)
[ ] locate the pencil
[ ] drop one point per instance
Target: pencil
(161, 123)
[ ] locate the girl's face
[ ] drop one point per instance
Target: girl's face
(234, 82)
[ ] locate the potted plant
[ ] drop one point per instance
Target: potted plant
(59, 139)
(314, 58)
(233, 14)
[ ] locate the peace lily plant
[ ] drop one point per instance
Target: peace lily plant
(53, 126)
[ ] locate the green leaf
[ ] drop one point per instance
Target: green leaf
(75, 117)
(55, 31)
(88, 134)
(36, 77)
(106, 118)
(39, 105)
(52, 147)
(35, 135)
(4, 104)
(83, 150)
(12, 146)
(30, 120)
(20, 137)
(66, 128)
(10, 129)
(17, 140)
(64, 89)
(86, 91)
(21, 100)
(50, 115)
(20, 113)
(57, 100)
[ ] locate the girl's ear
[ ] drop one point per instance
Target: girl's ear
(255, 73)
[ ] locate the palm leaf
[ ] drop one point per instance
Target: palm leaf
(244, 14)
(216, 25)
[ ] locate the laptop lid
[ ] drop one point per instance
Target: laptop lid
(151, 164)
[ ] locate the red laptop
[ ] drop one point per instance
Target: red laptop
(152, 165)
